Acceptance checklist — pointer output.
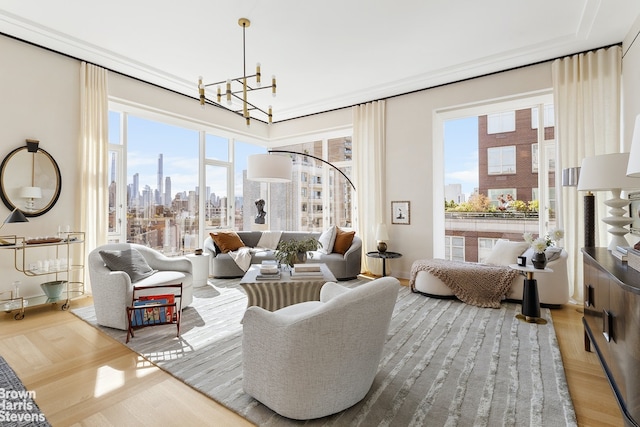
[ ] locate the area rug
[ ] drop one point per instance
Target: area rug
(445, 363)
(17, 407)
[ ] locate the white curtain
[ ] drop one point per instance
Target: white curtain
(586, 89)
(93, 153)
(370, 172)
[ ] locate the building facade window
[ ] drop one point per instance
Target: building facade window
(549, 116)
(454, 248)
(501, 122)
(485, 245)
(501, 160)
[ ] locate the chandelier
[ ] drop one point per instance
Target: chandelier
(238, 87)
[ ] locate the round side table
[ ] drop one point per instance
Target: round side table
(384, 256)
(530, 300)
(200, 268)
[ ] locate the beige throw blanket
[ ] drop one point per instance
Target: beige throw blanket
(482, 285)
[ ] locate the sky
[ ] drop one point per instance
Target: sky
(179, 146)
(147, 139)
(461, 153)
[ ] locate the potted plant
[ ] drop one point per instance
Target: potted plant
(295, 251)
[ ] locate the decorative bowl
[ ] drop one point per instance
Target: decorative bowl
(54, 289)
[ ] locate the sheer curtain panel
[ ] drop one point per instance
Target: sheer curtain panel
(370, 172)
(93, 154)
(587, 98)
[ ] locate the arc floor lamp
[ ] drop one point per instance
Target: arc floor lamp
(268, 168)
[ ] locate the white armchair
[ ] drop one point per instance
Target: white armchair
(113, 290)
(316, 358)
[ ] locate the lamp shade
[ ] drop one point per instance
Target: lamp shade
(16, 216)
(381, 233)
(269, 168)
(633, 168)
(31, 192)
(606, 172)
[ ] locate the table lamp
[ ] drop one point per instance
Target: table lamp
(607, 172)
(16, 215)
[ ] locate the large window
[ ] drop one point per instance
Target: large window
(500, 184)
(318, 195)
(172, 181)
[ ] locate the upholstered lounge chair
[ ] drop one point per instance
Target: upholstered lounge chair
(316, 358)
(112, 290)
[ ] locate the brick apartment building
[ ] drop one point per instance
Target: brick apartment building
(508, 165)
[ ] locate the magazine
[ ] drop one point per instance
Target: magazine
(153, 314)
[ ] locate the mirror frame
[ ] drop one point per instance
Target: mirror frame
(12, 204)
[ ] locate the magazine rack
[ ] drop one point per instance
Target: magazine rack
(154, 310)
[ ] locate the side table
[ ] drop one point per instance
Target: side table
(384, 256)
(530, 300)
(200, 269)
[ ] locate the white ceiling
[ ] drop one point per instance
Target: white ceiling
(325, 55)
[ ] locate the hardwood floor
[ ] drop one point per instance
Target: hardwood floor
(83, 377)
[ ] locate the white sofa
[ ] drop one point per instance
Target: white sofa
(316, 358)
(553, 288)
(113, 290)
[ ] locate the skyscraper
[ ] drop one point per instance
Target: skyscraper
(167, 191)
(113, 167)
(160, 193)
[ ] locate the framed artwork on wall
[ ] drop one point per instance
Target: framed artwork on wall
(401, 212)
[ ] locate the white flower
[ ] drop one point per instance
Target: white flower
(539, 244)
(557, 234)
(528, 237)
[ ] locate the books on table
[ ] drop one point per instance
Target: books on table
(268, 271)
(306, 268)
(311, 271)
(622, 256)
(268, 276)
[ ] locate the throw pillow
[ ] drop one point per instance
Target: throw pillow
(327, 240)
(505, 252)
(227, 240)
(130, 261)
(343, 241)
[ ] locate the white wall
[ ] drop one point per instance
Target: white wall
(39, 99)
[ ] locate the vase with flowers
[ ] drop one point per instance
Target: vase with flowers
(540, 244)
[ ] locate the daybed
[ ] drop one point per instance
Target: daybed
(344, 266)
(316, 358)
(553, 288)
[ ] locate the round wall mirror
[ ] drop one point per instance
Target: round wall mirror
(30, 180)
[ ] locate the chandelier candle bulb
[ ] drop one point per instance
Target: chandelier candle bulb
(273, 85)
(270, 115)
(228, 92)
(219, 94)
(201, 90)
(258, 82)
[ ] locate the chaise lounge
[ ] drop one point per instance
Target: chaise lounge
(553, 288)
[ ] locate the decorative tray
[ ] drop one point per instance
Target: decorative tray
(43, 240)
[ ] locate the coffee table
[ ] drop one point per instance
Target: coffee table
(287, 290)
